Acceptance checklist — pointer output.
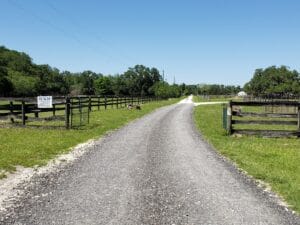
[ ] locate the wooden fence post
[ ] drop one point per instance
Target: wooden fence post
(11, 110)
(88, 119)
(105, 102)
(98, 103)
(36, 114)
(117, 102)
(298, 119)
(80, 110)
(53, 108)
(11, 107)
(67, 113)
(90, 103)
(23, 112)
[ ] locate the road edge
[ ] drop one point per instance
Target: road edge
(259, 187)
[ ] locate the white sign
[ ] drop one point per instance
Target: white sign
(44, 101)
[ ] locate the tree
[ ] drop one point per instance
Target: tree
(23, 85)
(87, 79)
(274, 81)
(118, 85)
(6, 86)
(164, 90)
(140, 79)
(103, 86)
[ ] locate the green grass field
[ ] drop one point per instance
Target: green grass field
(30, 146)
(212, 99)
(271, 160)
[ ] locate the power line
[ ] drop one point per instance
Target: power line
(91, 33)
(55, 27)
(42, 20)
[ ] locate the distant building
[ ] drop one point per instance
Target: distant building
(242, 94)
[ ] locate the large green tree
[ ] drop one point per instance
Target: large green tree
(274, 81)
(104, 86)
(140, 79)
(24, 78)
(6, 86)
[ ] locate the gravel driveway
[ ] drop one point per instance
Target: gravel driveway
(156, 170)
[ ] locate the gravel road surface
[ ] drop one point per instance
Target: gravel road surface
(156, 170)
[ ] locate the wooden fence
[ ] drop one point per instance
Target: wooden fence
(19, 108)
(256, 118)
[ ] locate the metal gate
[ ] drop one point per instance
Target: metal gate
(80, 113)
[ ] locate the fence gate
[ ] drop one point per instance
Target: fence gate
(263, 118)
(79, 111)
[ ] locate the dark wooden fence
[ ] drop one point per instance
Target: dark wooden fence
(210, 97)
(263, 118)
(19, 108)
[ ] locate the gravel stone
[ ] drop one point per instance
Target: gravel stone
(156, 170)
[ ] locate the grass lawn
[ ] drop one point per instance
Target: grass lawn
(272, 160)
(212, 99)
(3, 102)
(30, 146)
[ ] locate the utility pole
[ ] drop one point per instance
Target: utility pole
(174, 80)
(163, 76)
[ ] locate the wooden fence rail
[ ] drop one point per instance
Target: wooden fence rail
(19, 107)
(250, 117)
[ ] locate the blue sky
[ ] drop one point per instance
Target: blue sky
(195, 41)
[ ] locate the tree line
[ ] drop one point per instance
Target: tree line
(19, 76)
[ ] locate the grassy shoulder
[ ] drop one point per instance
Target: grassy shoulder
(274, 161)
(28, 147)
